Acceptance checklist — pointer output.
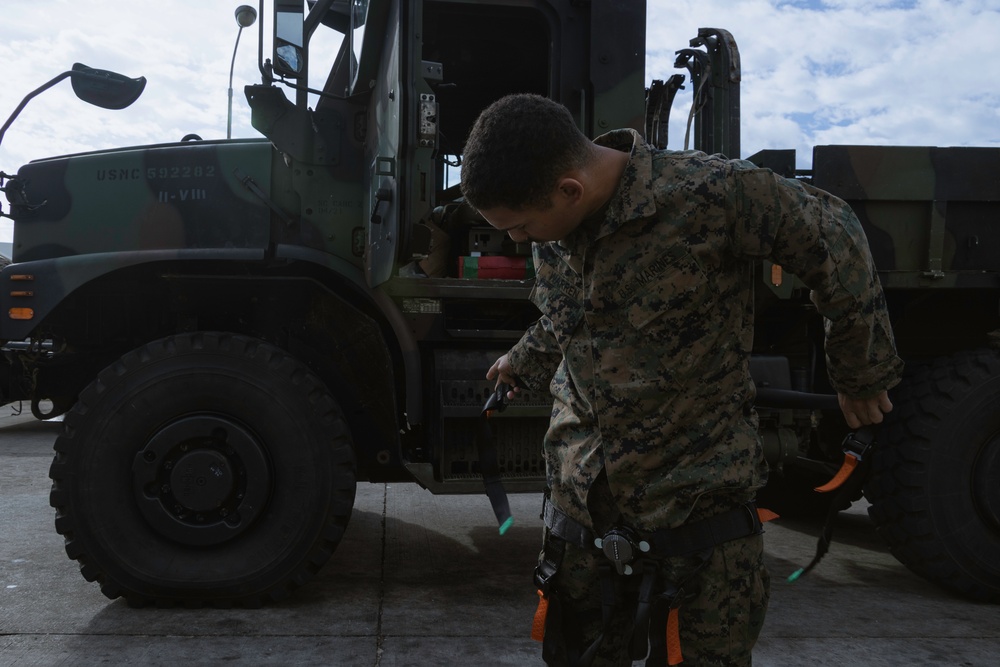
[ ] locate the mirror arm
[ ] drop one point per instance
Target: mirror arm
(27, 98)
(75, 73)
(265, 71)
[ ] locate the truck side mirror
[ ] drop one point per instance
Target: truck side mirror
(108, 90)
(289, 54)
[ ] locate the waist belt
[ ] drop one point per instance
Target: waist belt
(684, 540)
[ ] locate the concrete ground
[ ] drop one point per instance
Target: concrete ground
(425, 580)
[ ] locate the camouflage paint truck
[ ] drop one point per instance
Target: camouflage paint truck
(238, 332)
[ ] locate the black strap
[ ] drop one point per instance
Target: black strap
(644, 605)
(489, 464)
(554, 639)
(700, 535)
(549, 564)
(609, 600)
(560, 644)
(684, 540)
(566, 528)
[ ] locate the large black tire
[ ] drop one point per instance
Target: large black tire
(935, 485)
(203, 468)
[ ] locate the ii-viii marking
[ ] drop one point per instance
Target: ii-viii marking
(182, 195)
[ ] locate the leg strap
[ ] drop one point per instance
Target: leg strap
(656, 629)
(552, 626)
(548, 614)
(644, 605)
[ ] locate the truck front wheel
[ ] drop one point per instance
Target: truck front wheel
(935, 487)
(203, 468)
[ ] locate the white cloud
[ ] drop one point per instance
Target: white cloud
(916, 72)
(184, 52)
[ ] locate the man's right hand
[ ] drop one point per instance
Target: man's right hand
(860, 412)
(502, 372)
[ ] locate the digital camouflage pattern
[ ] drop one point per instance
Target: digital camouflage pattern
(647, 330)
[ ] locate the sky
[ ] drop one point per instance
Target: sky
(909, 72)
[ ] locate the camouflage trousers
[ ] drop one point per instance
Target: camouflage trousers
(718, 626)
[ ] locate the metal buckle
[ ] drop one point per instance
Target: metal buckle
(544, 572)
(621, 546)
(859, 443)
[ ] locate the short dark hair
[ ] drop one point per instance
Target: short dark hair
(516, 151)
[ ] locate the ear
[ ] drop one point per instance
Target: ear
(570, 190)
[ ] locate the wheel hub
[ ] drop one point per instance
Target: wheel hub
(201, 480)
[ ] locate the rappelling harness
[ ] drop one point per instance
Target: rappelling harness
(628, 573)
(628, 576)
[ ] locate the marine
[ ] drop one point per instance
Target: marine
(643, 261)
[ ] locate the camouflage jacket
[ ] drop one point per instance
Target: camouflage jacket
(647, 327)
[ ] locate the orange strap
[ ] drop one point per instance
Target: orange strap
(674, 656)
(850, 463)
(538, 625)
(766, 515)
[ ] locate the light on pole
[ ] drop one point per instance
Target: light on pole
(245, 17)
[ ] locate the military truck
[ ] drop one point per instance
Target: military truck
(238, 332)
